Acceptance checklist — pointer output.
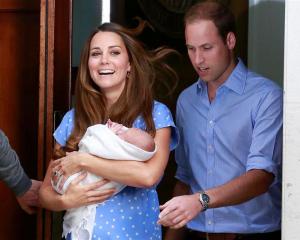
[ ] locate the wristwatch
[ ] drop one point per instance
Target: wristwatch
(204, 200)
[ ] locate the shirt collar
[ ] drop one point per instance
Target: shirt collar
(236, 81)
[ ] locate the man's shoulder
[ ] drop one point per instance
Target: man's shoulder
(261, 83)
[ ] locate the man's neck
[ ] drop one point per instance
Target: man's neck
(213, 86)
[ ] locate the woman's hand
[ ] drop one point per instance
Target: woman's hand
(75, 196)
(78, 195)
(66, 166)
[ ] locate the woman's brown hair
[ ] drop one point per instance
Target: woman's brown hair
(136, 98)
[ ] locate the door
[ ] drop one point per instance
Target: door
(19, 67)
(34, 80)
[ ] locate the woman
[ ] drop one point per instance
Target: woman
(114, 82)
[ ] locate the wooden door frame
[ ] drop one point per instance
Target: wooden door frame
(45, 117)
(54, 74)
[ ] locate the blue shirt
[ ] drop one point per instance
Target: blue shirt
(132, 213)
(240, 130)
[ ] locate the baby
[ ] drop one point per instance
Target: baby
(131, 144)
(111, 141)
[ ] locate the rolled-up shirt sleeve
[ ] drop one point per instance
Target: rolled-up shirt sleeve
(266, 147)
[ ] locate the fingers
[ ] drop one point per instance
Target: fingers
(29, 210)
(174, 213)
(96, 185)
(165, 205)
(179, 210)
(36, 185)
(28, 202)
(83, 195)
(179, 225)
(56, 170)
(115, 127)
(55, 163)
(96, 195)
(96, 198)
(172, 218)
(79, 178)
(167, 208)
(109, 123)
(58, 179)
(57, 173)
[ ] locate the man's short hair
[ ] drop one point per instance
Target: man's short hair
(215, 11)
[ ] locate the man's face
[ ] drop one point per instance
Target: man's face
(212, 58)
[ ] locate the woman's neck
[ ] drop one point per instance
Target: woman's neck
(110, 99)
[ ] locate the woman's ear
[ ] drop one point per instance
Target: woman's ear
(230, 40)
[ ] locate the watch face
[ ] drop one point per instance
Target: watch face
(205, 198)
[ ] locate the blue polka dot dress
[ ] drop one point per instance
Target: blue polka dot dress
(131, 214)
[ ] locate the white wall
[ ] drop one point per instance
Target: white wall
(291, 152)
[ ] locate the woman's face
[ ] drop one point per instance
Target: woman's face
(108, 63)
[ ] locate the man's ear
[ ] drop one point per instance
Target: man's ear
(230, 40)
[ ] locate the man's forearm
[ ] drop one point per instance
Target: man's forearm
(249, 185)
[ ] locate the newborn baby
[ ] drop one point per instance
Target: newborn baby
(130, 144)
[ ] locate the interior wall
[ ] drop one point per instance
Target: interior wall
(86, 16)
(266, 38)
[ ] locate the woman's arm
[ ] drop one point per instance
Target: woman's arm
(75, 196)
(132, 173)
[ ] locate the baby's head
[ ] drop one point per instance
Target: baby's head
(139, 138)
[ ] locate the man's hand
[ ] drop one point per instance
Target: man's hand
(29, 200)
(179, 210)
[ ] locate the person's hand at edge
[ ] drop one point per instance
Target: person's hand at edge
(29, 201)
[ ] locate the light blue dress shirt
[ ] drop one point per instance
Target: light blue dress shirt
(240, 130)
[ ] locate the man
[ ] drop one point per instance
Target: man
(229, 157)
(12, 173)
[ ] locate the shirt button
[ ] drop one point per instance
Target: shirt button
(209, 172)
(209, 222)
(210, 148)
(211, 122)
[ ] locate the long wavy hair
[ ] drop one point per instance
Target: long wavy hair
(136, 98)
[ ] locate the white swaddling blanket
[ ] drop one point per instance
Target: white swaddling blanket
(100, 141)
